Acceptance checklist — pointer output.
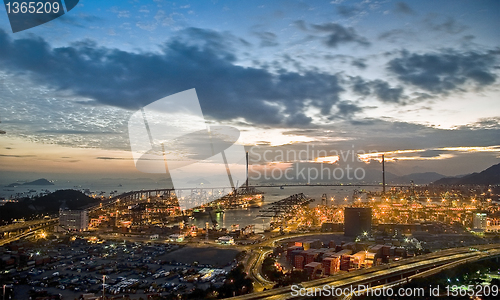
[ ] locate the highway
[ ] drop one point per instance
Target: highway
(437, 260)
(31, 231)
(26, 224)
(253, 266)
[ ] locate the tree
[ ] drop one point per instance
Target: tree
(237, 283)
(269, 269)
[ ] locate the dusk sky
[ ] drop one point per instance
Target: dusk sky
(380, 76)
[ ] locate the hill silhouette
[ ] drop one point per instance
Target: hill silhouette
(489, 176)
(48, 204)
(417, 178)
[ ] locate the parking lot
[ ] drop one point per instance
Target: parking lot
(127, 268)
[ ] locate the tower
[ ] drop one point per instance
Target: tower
(383, 174)
(247, 172)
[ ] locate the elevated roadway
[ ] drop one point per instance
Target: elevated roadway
(17, 231)
(423, 265)
(25, 225)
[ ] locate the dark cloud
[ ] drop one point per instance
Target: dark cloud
(267, 39)
(360, 63)
(298, 119)
(348, 108)
(360, 86)
(338, 34)
(403, 8)
(484, 123)
(296, 64)
(196, 58)
(450, 26)
(378, 88)
(398, 135)
(444, 71)
(301, 24)
(347, 11)
(385, 93)
(395, 35)
(389, 135)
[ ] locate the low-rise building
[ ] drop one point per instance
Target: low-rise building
(76, 219)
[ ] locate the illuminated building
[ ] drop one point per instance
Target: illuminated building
(479, 221)
(77, 219)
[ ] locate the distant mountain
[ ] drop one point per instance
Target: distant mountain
(448, 180)
(41, 181)
(417, 178)
(486, 177)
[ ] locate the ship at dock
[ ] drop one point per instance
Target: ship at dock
(205, 211)
(256, 202)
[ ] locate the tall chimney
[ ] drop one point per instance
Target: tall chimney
(383, 174)
(247, 171)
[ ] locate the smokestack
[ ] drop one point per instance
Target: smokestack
(247, 171)
(383, 174)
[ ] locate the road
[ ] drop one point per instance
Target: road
(31, 229)
(437, 260)
(26, 224)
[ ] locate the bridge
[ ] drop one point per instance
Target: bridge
(389, 274)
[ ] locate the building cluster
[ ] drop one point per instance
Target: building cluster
(405, 211)
(320, 260)
(116, 221)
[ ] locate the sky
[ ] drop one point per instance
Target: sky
(417, 80)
